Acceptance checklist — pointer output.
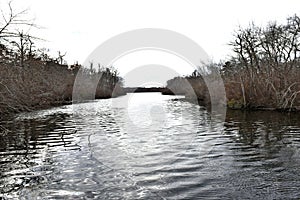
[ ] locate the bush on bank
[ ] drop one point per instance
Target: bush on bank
(263, 72)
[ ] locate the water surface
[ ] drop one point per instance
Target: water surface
(149, 146)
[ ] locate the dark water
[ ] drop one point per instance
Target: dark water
(154, 147)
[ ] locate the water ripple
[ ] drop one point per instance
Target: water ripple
(158, 149)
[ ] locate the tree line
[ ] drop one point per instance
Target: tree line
(31, 78)
(263, 71)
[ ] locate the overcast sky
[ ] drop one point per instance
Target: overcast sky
(78, 27)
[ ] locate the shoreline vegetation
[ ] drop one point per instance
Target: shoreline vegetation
(263, 73)
(42, 84)
(31, 79)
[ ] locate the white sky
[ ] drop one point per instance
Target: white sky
(79, 26)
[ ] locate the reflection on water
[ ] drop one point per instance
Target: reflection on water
(160, 148)
(265, 148)
(25, 148)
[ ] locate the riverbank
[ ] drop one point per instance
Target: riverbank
(196, 91)
(44, 84)
(262, 73)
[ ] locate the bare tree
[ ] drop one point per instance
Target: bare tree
(12, 26)
(267, 59)
(60, 58)
(23, 42)
(12, 21)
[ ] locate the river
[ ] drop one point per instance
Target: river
(149, 146)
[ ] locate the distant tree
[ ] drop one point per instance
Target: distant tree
(43, 54)
(24, 45)
(60, 59)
